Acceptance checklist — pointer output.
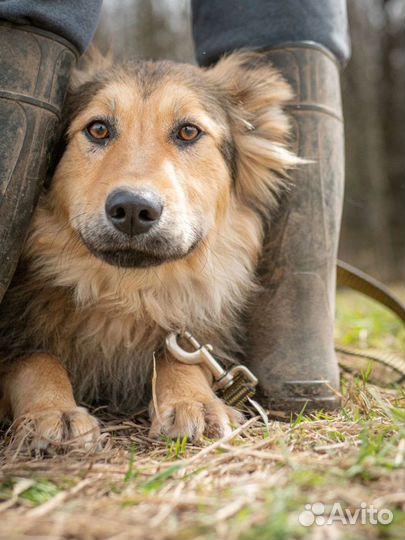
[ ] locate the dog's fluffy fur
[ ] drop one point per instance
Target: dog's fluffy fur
(103, 321)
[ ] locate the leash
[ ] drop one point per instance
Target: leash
(349, 276)
(236, 386)
(353, 278)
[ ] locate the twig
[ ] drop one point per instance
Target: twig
(154, 398)
(219, 443)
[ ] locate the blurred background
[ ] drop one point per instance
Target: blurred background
(373, 86)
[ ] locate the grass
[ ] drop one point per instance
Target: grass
(253, 486)
(363, 323)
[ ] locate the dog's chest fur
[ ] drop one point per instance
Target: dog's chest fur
(108, 351)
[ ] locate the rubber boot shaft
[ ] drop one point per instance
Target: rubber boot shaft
(291, 328)
(35, 66)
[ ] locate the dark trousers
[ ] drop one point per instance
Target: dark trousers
(218, 25)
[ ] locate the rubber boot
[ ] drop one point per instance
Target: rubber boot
(35, 66)
(291, 328)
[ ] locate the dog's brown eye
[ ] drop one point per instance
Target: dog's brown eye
(98, 130)
(188, 133)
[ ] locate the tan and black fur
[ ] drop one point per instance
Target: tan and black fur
(82, 309)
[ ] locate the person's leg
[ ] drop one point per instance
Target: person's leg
(290, 345)
(39, 43)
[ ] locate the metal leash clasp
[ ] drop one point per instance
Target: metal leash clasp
(202, 355)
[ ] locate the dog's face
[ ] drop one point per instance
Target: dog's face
(155, 156)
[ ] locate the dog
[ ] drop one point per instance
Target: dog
(152, 223)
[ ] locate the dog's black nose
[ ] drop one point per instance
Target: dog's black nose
(133, 213)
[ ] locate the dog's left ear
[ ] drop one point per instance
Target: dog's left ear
(91, 65)
(254, 94)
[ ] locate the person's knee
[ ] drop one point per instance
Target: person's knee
(220, 27)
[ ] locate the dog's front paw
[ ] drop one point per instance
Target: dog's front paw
(193, 418)
(71, 428)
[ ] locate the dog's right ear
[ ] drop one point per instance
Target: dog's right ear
(87, 79)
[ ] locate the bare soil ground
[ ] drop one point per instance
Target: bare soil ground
(252, 485)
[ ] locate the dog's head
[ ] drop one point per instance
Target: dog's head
(157, 155)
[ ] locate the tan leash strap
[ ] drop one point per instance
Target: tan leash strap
(348, 276)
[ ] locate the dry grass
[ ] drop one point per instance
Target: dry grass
(252, 485)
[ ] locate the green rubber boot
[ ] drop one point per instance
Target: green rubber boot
(35, 67)
(291, 328)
